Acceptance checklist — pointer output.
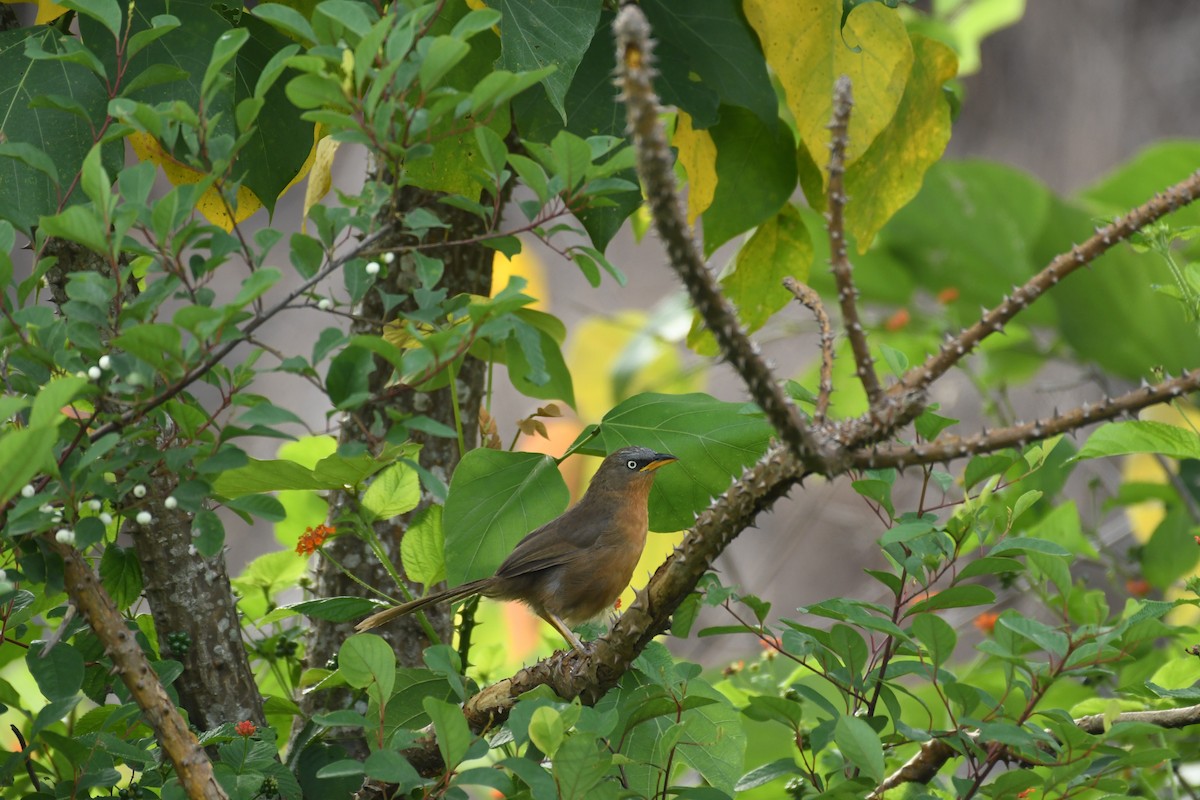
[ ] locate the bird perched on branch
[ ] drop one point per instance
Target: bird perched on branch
(574, 567)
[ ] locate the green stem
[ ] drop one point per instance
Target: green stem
(377, 548)
(573, 448)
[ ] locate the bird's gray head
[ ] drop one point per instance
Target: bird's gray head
(631, 462)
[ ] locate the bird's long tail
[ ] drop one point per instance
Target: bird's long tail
(444, 596)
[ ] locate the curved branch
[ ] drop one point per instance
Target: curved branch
(635, 77)
(812, 301)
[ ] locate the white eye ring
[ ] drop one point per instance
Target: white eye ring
(631, 464)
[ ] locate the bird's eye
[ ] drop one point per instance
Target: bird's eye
(631, 464)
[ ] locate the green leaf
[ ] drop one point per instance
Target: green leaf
(24, 452)
(349, 378)
(1125, 438)
(756, 175)
(208, 533)
(333, 609)
(392, 492)
(860, 745)
(713, 441)
(106, 12)
(56, 393)
(43, 145)
(557, 383)
(937, 635)
(422, 548)
(366, 661)
(540, 33)
(391, 767)
(121, 574)
(263, 506)
(59, 674)
(497, 497)
(1171, 552)
(1052, 641)
(453, 735)
(546, 730)
(762, 775)
(954, 597)
(713, 39)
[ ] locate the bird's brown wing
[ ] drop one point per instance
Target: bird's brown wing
(539, 554)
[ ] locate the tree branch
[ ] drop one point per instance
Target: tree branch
(933, 755)
(946, 448)
(180, 745)
(635, 78)
(812, 301)
(847, 292)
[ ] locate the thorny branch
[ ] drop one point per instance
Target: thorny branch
(812, 301)
(847, 292)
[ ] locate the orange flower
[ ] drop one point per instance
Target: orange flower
(898, 320)
(617, 604)
(986, 622)
(771, 643)
(948, 295)
(313, 538)
(245, 728)
(1025, 793)
(1138, 587)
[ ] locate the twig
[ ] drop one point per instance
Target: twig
(838, 260)
(33, 776)
(635, 78)
(934, 754)
(812, 301)
(1061, 266)
(946, 448)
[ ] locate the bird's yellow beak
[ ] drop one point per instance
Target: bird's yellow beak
(660, 459)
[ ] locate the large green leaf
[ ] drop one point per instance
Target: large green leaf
(973, 227)
(756, 174)
(721, 49)
(713, 440)
(495, 498)
(1112, 314)
(1138, 179)
(539, 33)
(48, 138)
(1141, 436)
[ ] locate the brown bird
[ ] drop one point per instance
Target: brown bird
(574, 567)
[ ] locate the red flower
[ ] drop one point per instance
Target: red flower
(313, 538)
(986, 622)
(1138, 587)
(245, 728)
(947, 295)
(1025, 793)
(617, 604)
(898, 320)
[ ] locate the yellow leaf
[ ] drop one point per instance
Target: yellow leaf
(698, 155)
(211, 204)
(808, 49)
(321, 176)
(47, 11)
(601, 345)
(527, 265)
(891, 171)
(780, 248)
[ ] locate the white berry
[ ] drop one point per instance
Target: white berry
(94, 373)
(389, 257)
(373, 268)
(94, 504)
(106, 518)
(143, 518)
(105, 362)
(170, 503)
(139, 491)
(325, 304)
(65, 536)
(27, 490)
